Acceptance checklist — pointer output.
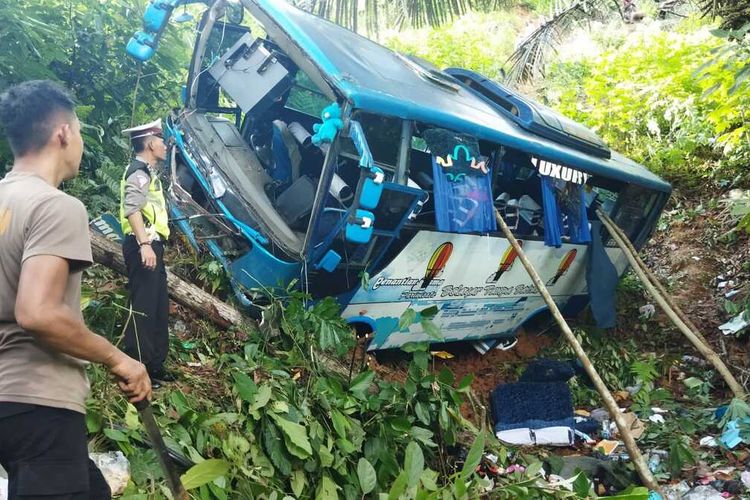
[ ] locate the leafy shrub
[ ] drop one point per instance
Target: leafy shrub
(667, 99)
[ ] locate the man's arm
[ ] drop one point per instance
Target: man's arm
(148, 257)
(40, 308)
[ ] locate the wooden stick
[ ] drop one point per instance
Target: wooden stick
(611, 225)
(609, 402)
(700, 345)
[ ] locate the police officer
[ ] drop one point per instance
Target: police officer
(144, 219)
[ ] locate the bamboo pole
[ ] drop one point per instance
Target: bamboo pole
(609, 402)
(701, 346)
(611, 225)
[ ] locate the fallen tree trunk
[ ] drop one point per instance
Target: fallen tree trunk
(184, 293)
(109, 254)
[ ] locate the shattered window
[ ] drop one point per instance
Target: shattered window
(305, 98)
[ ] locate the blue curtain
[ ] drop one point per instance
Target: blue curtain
(564, 206)
(463, 202)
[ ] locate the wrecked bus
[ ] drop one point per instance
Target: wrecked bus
(306, 155)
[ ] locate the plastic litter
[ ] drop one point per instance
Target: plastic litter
(606, 446)
(115, 469)
(745, 478)
(676, 491)
(704, 492)
(709, 442)
(734, 325)
(647, 311)
(694, 360)
(656, 418)
(599, 414)
(731, 435)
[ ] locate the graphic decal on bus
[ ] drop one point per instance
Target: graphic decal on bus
(437, 263)
(469, 307)
(509, 258)
(565, 264)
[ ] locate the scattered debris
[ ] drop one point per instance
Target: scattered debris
(647, 311)
(731, 436)
(607, 446)
(656, 418)
(695, 360)
(115, 469)
(676, 491)
(735, 325)
(745, 478)
(538, 409)
(703, 493)
(709, 442)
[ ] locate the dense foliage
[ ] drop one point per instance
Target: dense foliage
(668, 99)
(81, 44)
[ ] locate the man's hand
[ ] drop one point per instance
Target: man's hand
(148, 257)
(132, 378)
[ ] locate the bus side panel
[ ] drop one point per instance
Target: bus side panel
(481, 290)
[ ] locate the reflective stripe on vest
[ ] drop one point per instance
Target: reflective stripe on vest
(154, 212)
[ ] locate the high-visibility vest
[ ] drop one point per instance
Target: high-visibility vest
(154, 212)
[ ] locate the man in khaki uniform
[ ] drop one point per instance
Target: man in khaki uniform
(44, 343)
(145, 223)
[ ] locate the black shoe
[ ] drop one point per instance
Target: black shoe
(164, 377)
(155, 384)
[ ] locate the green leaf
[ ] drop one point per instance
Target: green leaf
(413, 464)
(465, 385)
(366, 475)
(345, 446)
(272, 443)
(116, 435)
(422, 412)
(295, 437)
(429, 313)
(431, 329)
(204, 473)
(429, 480)
(407, 319)
(400, 424)
(473, 457)
(692, 382)
(582, 485)
(361, 384)
(262, 398)
(325, 456)
(416, 347)
(327, 490)
(340, 423)
(533, 469)
(298, 483)
(398, 486)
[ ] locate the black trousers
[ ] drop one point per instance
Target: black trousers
(44, 451)
(147, 329)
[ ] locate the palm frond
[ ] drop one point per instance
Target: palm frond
(398, 13)
(734, 13)
(529, 60)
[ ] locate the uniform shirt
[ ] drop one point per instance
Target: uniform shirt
(136, 189)
(142, 191)
(37, 219)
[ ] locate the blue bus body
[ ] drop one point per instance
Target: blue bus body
(356, 218)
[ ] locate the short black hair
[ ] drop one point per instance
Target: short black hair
(26, 110)
(139, 143)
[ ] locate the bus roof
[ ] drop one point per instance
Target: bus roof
(376, 79)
